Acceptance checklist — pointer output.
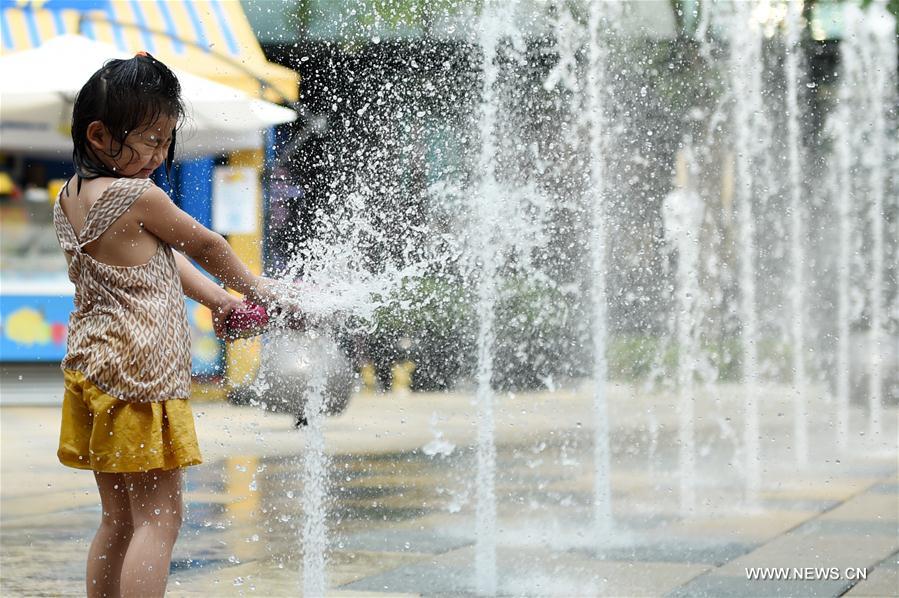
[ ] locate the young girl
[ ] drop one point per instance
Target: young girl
(125, 413)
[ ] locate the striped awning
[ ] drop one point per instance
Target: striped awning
(210, 38)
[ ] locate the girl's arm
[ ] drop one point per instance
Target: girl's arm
(160, 216)
(199, 288)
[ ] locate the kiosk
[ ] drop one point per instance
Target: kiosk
(208, 38)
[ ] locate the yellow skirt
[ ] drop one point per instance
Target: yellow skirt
(107, 434)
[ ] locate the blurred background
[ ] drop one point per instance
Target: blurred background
(574, 254)
(387, 99)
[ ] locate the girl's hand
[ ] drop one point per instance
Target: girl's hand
(220, 313)
(264, 292)
(279, 299)
(274, 295)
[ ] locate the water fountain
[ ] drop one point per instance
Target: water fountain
(797, 246)
(498, 232)
(861, 131)
(745, 66)
(596, 83)
(653, 239)
(315, 463)
(683, 215)
(488, 197)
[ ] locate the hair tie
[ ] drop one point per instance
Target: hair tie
(142, 53)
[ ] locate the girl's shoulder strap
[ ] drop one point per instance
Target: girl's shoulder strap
(112, 203)
(65, 234)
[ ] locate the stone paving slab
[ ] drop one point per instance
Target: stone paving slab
(533, 573)
(869, 506)
(816, 550)
(265, 578)
(861, 533)
(881, 582)
(891, 562)
(675, 551)
(37, 505)
(403, 540)
(810, 488)
(243, 508)
(822, 527)
(740, 587)
(885, 488)
(44, 562)
(758, 529)
(350, 566)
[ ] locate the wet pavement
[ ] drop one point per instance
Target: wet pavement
(401, 515)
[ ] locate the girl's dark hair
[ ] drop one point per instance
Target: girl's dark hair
(123, 95)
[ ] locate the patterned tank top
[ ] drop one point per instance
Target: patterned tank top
(128, 333)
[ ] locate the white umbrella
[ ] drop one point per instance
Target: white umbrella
(37, 88)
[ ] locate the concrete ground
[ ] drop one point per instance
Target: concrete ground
(401, 516)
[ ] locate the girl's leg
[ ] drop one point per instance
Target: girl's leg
(156, 509)
(104, 561)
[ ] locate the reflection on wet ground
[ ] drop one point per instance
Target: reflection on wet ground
(401, 508)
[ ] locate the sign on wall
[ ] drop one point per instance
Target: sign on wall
(235, 193)
(33, 328)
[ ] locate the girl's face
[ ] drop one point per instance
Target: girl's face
(144, 150)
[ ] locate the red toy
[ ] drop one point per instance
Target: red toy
(252, 319)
